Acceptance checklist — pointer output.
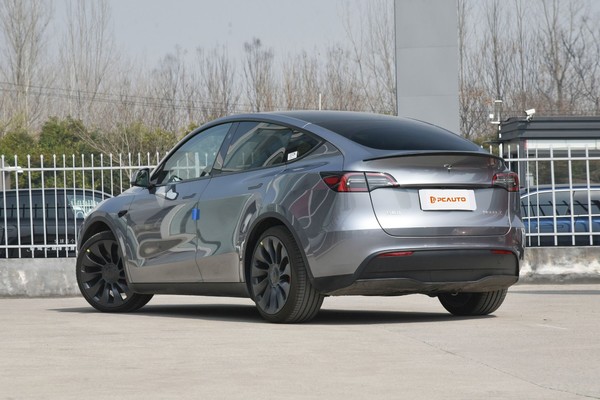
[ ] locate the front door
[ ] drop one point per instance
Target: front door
(162, 230)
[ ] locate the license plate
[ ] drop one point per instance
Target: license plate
(459, 199)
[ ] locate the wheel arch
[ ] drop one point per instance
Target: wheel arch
(94, 228)
(100, 223)
(266, 221)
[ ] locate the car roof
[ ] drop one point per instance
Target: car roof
(318, 117)
(354, 130)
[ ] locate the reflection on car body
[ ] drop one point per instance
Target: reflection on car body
(290, 207)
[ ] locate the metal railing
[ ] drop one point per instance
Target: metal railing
(560, 191)
(44, 201)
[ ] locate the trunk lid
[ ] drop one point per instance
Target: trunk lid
(441, 194)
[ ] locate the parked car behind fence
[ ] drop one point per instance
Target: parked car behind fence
(43, 222)
(561, 216)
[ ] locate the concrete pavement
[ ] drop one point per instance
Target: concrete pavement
(543, 343)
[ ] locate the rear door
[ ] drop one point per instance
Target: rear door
(242, 185)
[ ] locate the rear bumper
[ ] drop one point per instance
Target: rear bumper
(427, 272)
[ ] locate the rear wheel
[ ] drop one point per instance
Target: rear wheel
(279, 282)
(101, 276)
(473, 303)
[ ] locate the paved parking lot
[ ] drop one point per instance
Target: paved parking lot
(544, 343)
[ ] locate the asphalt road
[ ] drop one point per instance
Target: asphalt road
(543, 343)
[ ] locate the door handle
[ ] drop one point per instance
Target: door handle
(254, 187)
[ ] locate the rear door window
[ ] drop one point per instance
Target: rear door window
(257, 145)
(262, 144)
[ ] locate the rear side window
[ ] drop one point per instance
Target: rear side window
(300, 144)
(261, 144)
(402, 134)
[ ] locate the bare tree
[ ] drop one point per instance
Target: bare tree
(372, 42)
(341, 88)
(558, 36)
(170, 81)
(220, 93)
(87, 53)
(470, 93)
(496, 49)
(23, 25)
(259, 76)
(522, 60)
(586, 64)
(301, 84)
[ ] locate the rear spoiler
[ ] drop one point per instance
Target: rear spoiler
(433, 153)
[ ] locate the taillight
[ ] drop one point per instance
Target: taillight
(396, 254)
(357, 181)
(502, 252)
(508, 180)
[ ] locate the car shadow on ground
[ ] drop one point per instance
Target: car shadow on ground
(249, 314)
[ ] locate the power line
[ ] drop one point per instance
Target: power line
(116, 98)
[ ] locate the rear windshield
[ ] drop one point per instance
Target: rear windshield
(401, 134)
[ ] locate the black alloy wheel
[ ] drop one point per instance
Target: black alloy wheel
(101, 276)
(279, 281)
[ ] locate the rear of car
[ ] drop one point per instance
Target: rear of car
(443, 216)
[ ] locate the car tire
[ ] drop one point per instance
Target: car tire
(279, 282)
(473, 303)
(101, 277)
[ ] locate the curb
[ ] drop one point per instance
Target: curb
(43, 277)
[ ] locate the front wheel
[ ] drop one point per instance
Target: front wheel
(473, 303)
(279, 280)
(101, 276)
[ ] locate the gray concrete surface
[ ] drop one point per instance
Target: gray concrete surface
(38, 277)
(542, 344)
(56, 276)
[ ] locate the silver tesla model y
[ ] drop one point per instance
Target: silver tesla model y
(287, 208)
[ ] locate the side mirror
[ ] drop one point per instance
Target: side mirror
(141, 178)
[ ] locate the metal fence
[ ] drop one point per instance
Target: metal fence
(560, 191)
(44, 200)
